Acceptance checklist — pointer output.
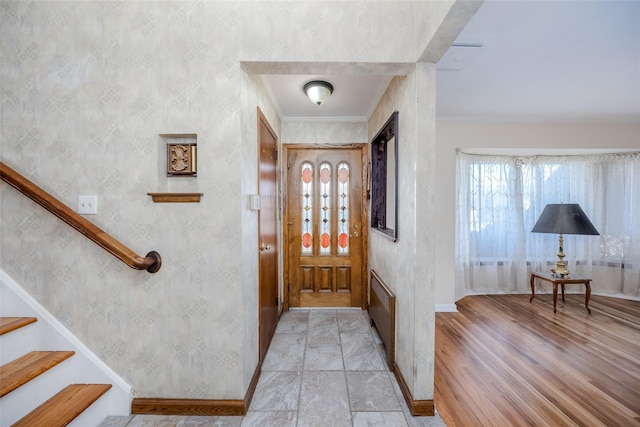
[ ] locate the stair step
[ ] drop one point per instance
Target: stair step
(62, 408)
(27, 367)
(8, 324)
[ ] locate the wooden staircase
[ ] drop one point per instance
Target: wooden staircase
(64, 406)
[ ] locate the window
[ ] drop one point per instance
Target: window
(500, 199)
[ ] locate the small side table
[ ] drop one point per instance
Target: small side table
(550, 277)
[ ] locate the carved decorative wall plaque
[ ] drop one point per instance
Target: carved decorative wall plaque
(182, 159)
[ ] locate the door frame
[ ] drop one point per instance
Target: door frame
(364, 158)
(263, 346)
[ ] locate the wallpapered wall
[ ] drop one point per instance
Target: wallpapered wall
(302, 132)
(406, 266)
(86, 89)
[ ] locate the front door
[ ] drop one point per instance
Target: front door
(268, 244)
(324, 239)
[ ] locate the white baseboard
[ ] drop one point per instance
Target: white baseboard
(446, 308)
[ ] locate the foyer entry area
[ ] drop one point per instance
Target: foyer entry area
(324, 367)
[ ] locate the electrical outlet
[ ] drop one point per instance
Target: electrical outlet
(88, 205)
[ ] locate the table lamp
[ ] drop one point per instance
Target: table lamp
(563, 219)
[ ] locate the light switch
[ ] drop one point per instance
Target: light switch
(88, 205)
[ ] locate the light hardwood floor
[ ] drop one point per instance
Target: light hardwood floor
(503, 361)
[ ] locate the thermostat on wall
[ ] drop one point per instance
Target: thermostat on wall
(254, 202)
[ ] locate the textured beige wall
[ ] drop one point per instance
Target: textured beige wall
(407, 265)
(302, 132)
(253, 95)
(86, 89)
(394, 261)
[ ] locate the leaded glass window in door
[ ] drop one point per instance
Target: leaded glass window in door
(343, 208)
(306, 204)
(325, 208)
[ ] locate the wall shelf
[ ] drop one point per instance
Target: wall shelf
(176, 197)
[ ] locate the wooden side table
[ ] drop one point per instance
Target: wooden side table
(549, 277)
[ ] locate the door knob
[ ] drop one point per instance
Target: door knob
(265, 247)
(354, 234)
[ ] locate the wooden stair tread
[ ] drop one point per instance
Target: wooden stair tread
(25, 368)
(66, 405)
(8, 324)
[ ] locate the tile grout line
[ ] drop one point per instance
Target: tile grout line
(344, 370)
(302, 371)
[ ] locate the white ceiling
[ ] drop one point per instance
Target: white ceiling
(539, 60)
(547, 60)
(353, 99)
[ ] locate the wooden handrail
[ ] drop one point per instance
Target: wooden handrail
(151, 262)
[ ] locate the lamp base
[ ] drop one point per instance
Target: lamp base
(560, 271)
(561, 267)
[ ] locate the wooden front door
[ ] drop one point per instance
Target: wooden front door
(268, 244)
(325, 232)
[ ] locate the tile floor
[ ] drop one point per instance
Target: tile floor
(324, 367)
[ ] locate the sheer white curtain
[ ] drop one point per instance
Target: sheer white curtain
(500, 199)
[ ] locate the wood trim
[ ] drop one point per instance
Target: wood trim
(267, 319)
(363, 147)
(195, 407)
(176, 197)
(252, 386)
(365, 226)
(160, 406)
(416, 407)
(151, 262)
(285, 226)
(263, 118)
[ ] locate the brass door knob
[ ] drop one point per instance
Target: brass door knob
(265, 247)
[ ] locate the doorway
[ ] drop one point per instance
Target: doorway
(325, 229)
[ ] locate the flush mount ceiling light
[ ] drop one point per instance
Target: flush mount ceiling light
(318, 91)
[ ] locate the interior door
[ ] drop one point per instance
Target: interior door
(325, 224)
(268, 244)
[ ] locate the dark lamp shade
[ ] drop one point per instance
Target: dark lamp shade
(564, 219)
